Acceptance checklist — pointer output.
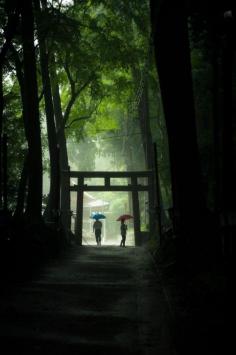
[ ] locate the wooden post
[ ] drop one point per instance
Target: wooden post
(136, 212)
(79, 212)
(65, 213)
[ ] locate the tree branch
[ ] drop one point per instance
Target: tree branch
(85, 117)
(73, 99)
(69, 76)
(76, 120)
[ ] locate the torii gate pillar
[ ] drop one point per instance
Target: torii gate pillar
(136, 212)
(79, 212)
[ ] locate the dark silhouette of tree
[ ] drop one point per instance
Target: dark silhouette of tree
(1, 120)
(170, 35)
(12, 12)
(34, 198)
(63, 157)
(52, 204)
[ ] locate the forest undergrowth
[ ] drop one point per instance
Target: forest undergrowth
(198, 298)
(25, 248)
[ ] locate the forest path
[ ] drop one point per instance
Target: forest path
(96, 300)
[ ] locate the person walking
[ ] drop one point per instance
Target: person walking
(123, 230)
(97, 228)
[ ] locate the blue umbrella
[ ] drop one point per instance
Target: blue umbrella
(97, 215)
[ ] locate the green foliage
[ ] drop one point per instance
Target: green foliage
(106, 40)
(96, 45)
(78, 150)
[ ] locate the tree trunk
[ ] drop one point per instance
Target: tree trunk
(51, 209)
(1, 124)
(19, 211)
(143, 110)
(64, 164)
(154, 196)
(172, 53)
(21, 195)
(228, 194)
(228, 158)
(34, 198)
(216, 125)
(9, 31)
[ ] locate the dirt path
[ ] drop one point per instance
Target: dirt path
(98, 300)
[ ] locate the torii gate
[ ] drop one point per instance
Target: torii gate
(134, 186)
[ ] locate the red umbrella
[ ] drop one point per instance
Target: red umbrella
(124, 217)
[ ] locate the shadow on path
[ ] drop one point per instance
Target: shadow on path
(105, 300)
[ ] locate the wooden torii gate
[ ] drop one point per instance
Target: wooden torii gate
(133, 186)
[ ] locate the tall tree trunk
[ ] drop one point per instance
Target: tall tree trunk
(216, 124)
(1, 124)
(20, 205)
(64, 164)
(145, 127)
(228, 158)
(154, 196)
(217, 141)
(51, 210)
(34, 198)
(12, 9)
(170, 31)
(21, 195)
(228, 194)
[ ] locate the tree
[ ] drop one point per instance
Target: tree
(170, 35)
(52, 206)
(12, 12)
(34, 198)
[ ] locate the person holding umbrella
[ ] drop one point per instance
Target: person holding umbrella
(123, 230)
(97, 228)
(123, 227)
